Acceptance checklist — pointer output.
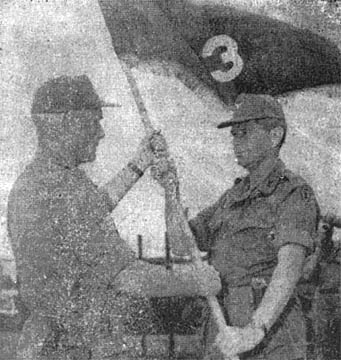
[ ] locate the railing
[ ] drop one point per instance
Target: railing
(180, 316)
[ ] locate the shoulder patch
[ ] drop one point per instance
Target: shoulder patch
(237, 181)
(294, 179)
(306, 193)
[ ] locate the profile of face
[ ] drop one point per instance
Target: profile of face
(84, 134)
(251, 143)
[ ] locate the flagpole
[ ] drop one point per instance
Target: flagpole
(138, 99)
(216, 311)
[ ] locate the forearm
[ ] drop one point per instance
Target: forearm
(124, 180)
(144, 279)
(177, 226)
(282, 285)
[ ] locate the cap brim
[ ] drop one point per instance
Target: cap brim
(240, 121)
(227, 124)
(109, 104)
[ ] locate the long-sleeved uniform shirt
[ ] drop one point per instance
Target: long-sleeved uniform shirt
(67, 254)
(74, 269)
(58, 233)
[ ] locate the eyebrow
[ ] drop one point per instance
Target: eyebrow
(238, 127)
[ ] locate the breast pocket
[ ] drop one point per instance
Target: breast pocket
(253, 214)
(221, 218)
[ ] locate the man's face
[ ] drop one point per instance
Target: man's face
(251, 143)
(86, 134)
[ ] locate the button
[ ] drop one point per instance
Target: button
(271, 236)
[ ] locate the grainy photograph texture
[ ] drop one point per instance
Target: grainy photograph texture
(170, 179)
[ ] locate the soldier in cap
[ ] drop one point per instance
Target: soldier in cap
(71, 262)
(258, 235)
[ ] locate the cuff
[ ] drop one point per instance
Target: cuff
(302, 238)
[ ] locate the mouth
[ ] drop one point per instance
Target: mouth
(93, 147)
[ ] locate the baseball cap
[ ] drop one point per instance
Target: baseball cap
(66, 93)
(255, 107)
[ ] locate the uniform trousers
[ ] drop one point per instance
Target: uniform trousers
(286, 340)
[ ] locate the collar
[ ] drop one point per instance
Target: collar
(275, 175)
(272, 172)
(53, 158)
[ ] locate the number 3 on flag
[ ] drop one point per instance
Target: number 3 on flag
(229, 55)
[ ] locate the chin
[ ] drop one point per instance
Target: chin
(92, 158)
(89, 158)
(240, 161)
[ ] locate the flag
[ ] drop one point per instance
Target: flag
(227, 50)
(144, 36)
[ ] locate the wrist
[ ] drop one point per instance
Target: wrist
(136, 169)
(172, 189)
(254, 324)
(141, 163)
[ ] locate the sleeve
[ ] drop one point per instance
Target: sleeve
(200, 227)
(297, 221)
(144, 279)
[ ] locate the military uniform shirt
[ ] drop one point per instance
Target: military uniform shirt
(245, 228)
(67, 253)
(243, 231)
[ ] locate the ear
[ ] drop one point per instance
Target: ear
(276, 135)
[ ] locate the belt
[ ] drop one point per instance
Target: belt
(241, 301)
(332, 291)
(258, 286)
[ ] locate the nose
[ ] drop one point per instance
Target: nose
(235, 142)
(237, 145)
(101, 132)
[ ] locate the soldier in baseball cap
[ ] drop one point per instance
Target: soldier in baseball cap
(66, 112)
(258, 234)
(72, 264)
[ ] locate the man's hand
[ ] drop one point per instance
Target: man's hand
(207, 278)
(151, 148)
(235, 340)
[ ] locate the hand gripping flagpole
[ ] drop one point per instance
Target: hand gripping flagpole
(216, 311)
